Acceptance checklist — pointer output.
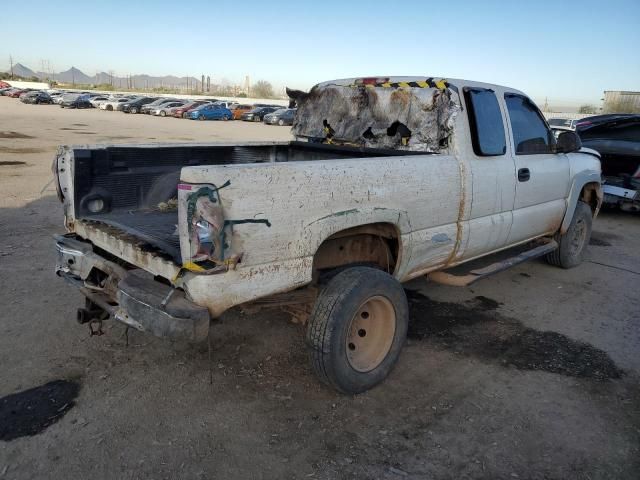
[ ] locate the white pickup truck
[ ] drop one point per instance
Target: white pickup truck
(388, 179)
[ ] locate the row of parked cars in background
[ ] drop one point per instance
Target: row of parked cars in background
(193, 109)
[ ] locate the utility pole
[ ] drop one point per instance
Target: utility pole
(11, 65)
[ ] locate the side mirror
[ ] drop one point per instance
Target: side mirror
(568, 142)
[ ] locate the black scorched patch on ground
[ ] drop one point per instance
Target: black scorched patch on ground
(11, 162)
(31, 411)
(14, 135)
(602, 239)
(598, 242)
(475, 329)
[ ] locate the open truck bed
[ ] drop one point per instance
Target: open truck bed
(132, 189)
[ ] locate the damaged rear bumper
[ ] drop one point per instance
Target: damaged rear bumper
(626, 197)
(130, 296)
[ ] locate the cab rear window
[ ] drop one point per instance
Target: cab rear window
(485, 122)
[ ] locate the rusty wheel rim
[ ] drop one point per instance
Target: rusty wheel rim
(371, 334)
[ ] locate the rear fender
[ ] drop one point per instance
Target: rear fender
(319, 230)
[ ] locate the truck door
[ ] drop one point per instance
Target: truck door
(492, 174)
(542, 176)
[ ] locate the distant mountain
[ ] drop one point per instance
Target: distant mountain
(22, 71)
(73, 75)
(76, 76)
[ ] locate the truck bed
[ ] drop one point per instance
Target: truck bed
(137, 181)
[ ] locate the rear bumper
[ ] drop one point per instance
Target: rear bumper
(623, 193)
(131, 296)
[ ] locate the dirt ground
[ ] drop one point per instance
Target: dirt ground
(531, 374)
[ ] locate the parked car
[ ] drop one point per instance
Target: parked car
(283, 116)
(16, 92)
(225, 104)
(75, 100)
(238, 110)
(380, 204)
(99, 100)
(36, 97)
(210, 111)
(182, 111)
(167, 108)
(116, 104)
(5, 90)
(134, 106)
(563, 122)
(257, 114)
(155, 104)
(616, 137)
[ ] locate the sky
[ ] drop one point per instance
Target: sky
(566, 51)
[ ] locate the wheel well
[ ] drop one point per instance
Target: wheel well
(591, 194)
(373, 244)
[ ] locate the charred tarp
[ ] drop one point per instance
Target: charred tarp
(406, 118)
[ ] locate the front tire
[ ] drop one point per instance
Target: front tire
(201, 117)
(573, 244)
(357, 329)
(133, 110)
(225, 117)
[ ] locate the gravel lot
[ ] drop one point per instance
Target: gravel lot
(533, 373)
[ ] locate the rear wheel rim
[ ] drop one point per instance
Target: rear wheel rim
(371, 334)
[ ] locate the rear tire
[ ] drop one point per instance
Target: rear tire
(573, 244)
(357, 329)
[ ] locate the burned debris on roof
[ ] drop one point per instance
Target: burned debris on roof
(405, 118)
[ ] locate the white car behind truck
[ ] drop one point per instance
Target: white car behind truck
(388, 179)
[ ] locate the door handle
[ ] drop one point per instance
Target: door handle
(524, 175)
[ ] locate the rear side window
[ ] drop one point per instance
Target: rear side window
(485, 120)
(530, 133)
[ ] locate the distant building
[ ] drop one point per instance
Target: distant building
(23, 84)
(621, 102)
